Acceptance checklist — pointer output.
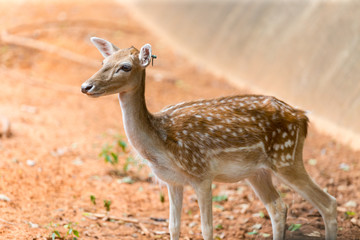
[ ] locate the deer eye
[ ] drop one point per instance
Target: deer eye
(125, 68)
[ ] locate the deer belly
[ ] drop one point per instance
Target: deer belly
(236, 166)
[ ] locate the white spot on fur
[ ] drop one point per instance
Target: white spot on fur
(288, 143)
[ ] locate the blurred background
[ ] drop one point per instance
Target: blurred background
(66, 168)
(306, 52)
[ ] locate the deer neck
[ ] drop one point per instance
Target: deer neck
(137, 121)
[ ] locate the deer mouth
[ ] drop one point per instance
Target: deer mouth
(95, 94)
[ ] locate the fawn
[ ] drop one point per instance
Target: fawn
(226, 139)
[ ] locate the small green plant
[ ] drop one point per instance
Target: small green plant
(255, 232)
(219, 207)
(293, 227)
(220, 198)
(349, 214)
(70, 231)
(219, 226)
(189, 212)
(54, 232)
(121, 143)
(93, 199)
(107, 204)
(109, 155)
(128, 161)
(261, 214)
(112, 153)
(162, 197)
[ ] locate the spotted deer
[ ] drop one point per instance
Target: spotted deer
(227, 139)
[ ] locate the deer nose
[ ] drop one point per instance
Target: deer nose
(86, 88)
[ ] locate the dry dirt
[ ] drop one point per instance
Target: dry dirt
(50, 165)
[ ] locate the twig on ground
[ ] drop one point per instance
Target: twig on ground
(144, 229)
(4, 221)
(139, 223)
(42, 46)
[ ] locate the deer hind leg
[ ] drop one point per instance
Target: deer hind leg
(297, 177)
(262, 184)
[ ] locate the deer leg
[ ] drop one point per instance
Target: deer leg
(176, 198)
(262, 184)
(204, 196)
(297, 177)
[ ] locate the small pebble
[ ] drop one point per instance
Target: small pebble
(257, 226)
(314, 234)
(355, 221)
(134, 235)
(4, 198)
(30, 162)
(33, 225)
(345, 167)
(350, 203)
(78, 161)
(312, 162)
(192, 224)
(59, 151)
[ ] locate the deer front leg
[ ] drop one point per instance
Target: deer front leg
(176, 198)
(204, 196)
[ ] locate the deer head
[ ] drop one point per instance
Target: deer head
(121, 71)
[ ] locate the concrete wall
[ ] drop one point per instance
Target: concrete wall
(305, 52)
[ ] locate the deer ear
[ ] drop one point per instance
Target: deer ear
(106, 48)
(145, 55)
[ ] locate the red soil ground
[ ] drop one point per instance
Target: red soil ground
(62, 132)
